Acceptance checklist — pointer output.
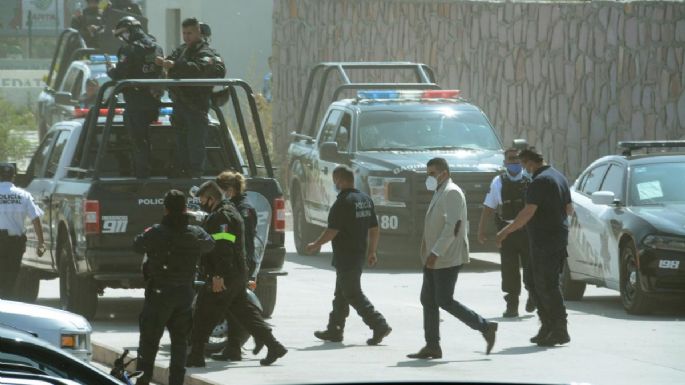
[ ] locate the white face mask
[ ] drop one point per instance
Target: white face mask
(124, 36)
(431, 183)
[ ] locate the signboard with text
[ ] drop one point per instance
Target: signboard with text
(45, 14)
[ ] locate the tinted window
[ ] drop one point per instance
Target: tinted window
(594, 179)
(56, 154)
(328, 132)
(613, 181)
(41, 156)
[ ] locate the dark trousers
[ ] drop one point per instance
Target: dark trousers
(437, 293)
(211, 309)
(169, 307)
(138, 123)
(545, 268)
(514, 256)
(348, 292)
(193, 127)
(11, 250)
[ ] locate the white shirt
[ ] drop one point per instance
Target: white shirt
(494, 198)
(15, 205)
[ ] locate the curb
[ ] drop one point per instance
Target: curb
(105, 355)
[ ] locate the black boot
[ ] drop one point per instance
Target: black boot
(230, 353)
(512, 310)
(196, 358)
(330, 334)
(489, 335)
(258, 346)
(276, 351)
(558, 335)
(544, 329)
(378, 334)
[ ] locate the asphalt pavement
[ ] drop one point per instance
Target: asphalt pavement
(607, 345)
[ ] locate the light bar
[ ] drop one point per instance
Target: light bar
(102, 58)
(166, 110)
(82, 112)
(409, 94)
(629, 146)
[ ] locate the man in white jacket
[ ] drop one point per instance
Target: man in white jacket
(444, 249)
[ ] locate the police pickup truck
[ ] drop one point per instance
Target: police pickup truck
(387, 133)
(82, 177)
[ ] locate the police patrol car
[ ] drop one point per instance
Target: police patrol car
(627, 231)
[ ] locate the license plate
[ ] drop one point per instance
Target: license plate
(669, 264)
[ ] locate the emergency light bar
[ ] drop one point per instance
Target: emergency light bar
(82, 112)
(629, 146)
(102, 58)
(408, 94)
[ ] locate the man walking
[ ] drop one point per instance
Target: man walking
(505, 199)
(353, 228)
(173, 249)
(136, 60)
(548, 204)
(444, 250)
(192, 60)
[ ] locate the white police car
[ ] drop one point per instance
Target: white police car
(627, 231)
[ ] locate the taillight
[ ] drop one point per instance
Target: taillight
(91, 217)
(279, 215)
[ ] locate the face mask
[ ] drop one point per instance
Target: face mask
(124, 36)
(514, 168)
(431, 183)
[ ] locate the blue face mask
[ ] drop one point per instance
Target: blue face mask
(514, 168)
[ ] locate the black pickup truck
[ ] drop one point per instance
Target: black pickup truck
(387, 132)
(82, 177)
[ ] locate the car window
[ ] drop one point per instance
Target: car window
(12, 358)
(342, 136)
(69, 80)
(77, 86)
(593, 180)
(41, 156)
(56, 154)
(328, 132)
(613, 181)
(657, 184)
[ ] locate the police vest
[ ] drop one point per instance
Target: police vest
(513, 196)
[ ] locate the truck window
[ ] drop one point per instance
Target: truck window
(38, 163)
(329, 128)
(69, 80)
(78, 85)
(342, 136)
(425, 129)
(56, 154)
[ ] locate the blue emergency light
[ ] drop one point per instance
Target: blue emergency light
(378, 94)
(409, 94)
(102, 58)
(166, 110)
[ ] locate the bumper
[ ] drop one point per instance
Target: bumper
(663, 272)
(114, 268)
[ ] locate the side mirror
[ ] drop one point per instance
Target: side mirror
(64, 97)
(603, 198)
(329, 152)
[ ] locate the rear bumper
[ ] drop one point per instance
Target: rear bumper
(115, 268)
(663, 272)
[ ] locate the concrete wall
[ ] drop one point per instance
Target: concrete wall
(571, 77)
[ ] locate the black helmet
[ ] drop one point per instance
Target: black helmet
(205, 30)
(127, 22)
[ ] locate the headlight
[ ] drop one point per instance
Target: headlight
(74, 341)
(663, 242)
(379, 190)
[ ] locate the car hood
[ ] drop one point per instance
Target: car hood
(36, 319)
(668, 219)
(458, 160)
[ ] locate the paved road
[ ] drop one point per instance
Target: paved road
(607, 347)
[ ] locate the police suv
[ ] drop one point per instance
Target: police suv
(82, 177)
(387, 136)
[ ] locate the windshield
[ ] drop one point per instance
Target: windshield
(657, 184)
(438, 129)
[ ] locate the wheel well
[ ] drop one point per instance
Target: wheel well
(294, 191)
(625, 239)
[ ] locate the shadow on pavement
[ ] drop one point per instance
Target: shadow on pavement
(513, 319)
(430, 363)
(517, 350)
(611, 306)
(326, 346)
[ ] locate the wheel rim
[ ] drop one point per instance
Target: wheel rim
(631, 278)
(299, 219)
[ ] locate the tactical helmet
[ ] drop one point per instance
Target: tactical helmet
(127, 22)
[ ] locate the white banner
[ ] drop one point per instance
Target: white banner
(22, 78)
(45, 14)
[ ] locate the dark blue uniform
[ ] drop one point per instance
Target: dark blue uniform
(136, 60)
(172, 252)
(352, 214)
(548, 233)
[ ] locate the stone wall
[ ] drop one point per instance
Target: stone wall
(571, 77)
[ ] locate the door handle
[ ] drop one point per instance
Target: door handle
(325, 170)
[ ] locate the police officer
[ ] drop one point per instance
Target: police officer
(173, 249)
(353, 228)
(15, 205)
(89, 23)
(225, 270)
(233, 185)
(136, 60)
(548, 205)
(507, 196)
(194, 59)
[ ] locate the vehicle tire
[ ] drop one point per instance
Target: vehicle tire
(303, 232)
(76, 294)
(635, 301)
(26, 286)
(267, 292)
(571, 290)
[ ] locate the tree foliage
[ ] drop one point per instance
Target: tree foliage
(14, 122)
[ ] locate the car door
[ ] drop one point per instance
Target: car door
(611, 218)
(584, 235)
(342, 137)
(37, 187)
(321, 170)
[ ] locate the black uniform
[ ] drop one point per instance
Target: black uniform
(136, 60)
(172, 254)
(227, 260)
(191, 104)
(89, 16)
(352, 214)
(514, 250)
